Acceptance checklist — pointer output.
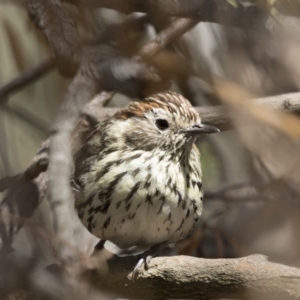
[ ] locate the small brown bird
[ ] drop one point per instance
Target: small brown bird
(139, 173)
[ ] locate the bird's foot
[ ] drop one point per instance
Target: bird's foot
(145, 259)
(99, 246)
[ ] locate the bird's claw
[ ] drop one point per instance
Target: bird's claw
(144, 260)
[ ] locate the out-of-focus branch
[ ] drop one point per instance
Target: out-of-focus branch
(246, 15)
(25, 78)
(21, 201)
(60, 32)
(167, 36)
(215, 11)
(38, 165)
(183, 277)
(243, 192)
(60, 195)
(24, 194)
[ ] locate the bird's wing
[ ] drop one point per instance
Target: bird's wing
(86, 157)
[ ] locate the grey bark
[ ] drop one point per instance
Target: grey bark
(183, 277)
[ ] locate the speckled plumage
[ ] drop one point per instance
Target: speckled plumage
(141, 183)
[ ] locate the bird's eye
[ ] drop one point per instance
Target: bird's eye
(162, 124)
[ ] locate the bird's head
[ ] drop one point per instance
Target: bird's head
(165, 120)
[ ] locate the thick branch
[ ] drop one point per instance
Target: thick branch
(60, 32)
(60, 195)
(183, 277)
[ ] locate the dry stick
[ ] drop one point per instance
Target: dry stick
(37, 165)
(184, 277)
(166, 37)
(25, 78)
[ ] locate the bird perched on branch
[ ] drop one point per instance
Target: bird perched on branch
(139, 173)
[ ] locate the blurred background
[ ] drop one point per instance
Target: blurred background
(251, 174)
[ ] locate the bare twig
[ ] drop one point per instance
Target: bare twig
(38, 165)
(166, 37)
(28, 117)
(25, 78)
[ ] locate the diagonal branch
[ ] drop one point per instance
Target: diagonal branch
(25, 78)
(60, 32)
(166, 37)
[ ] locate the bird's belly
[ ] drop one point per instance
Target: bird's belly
(146, 219)
(146, 226)
(143, 211)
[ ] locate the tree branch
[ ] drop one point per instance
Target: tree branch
(166, 37)
(30, 186)
(183, 277)
(215, 11)
(60, 32)
(25, 78)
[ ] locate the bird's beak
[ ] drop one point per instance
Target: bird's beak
(201, 129)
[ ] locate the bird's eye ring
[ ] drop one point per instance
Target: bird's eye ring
(162, 124)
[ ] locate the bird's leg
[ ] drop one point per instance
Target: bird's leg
(146, 258)
(99, 246)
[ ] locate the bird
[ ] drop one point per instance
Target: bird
(138, 174)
